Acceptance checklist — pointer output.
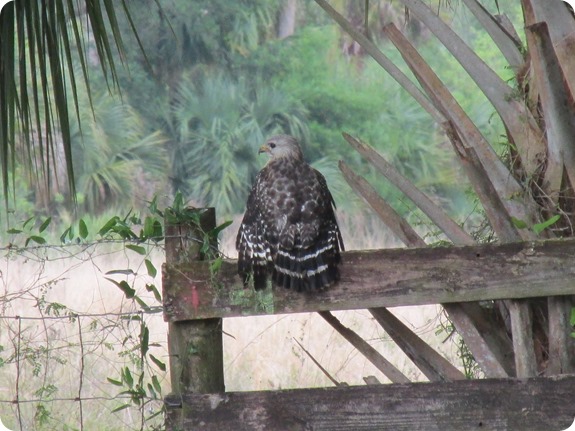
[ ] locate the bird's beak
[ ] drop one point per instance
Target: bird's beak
(264, 149)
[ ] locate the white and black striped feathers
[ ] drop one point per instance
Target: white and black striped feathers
(289, 228)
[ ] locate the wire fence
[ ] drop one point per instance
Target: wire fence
(83, 344)
(79, 350)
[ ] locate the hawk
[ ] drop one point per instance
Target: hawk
(289, 228)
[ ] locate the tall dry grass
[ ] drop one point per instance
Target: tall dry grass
(69, 327)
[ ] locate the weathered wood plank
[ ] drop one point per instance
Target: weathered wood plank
(561, 344)
(489, 344)
(522, 331)
(398, 225)
(435, 213)
(195, 346)
(434, 366)
(383, 278)
(493, 404)
(488, 354)
(387, 368)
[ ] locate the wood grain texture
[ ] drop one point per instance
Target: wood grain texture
(195, 346)
(434, 366)
(382, 278)
(366, 349)
(494, 404)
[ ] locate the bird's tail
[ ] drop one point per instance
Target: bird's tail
(305, 269)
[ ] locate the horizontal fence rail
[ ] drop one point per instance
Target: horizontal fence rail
(382, 278)
(493, 404)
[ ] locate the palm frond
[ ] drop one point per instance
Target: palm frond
(40, 43)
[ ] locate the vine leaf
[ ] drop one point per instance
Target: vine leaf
(145, 339)
(37, 239)
(137, 248)
(124, 287)
(152, 288)
(540, 227)
(122, 407)
(114, 381)
(159, 364)
(45, 224)
(156, 383)
(121, 271)
(83, 229)
(152, 271)
(519, 224)
(68, 235)
(109, 225)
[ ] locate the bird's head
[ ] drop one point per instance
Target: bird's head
(282, 146)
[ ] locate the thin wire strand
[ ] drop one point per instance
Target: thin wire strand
(41, 343)
(18, 375)
(81, 374)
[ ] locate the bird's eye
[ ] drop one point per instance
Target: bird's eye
(272, 145)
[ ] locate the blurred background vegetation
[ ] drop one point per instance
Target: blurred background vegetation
(215, 78)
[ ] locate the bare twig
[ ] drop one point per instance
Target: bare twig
(315, 361)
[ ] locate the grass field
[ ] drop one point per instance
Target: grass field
(68, 351)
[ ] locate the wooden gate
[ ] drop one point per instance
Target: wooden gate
(197, 295)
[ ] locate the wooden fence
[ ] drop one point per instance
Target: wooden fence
(197, 296)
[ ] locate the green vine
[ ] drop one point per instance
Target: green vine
(139, 380)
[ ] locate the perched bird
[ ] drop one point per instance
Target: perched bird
(289, 227)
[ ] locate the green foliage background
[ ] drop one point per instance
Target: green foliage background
(215, 82)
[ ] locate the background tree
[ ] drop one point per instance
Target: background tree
(116, 159)
(239, 42)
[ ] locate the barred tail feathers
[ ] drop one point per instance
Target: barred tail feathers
(258, 270)
(307, 268)
(254, 259)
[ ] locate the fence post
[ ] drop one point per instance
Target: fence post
(195, 346)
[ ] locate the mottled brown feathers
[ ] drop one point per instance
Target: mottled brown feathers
(289, 228)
